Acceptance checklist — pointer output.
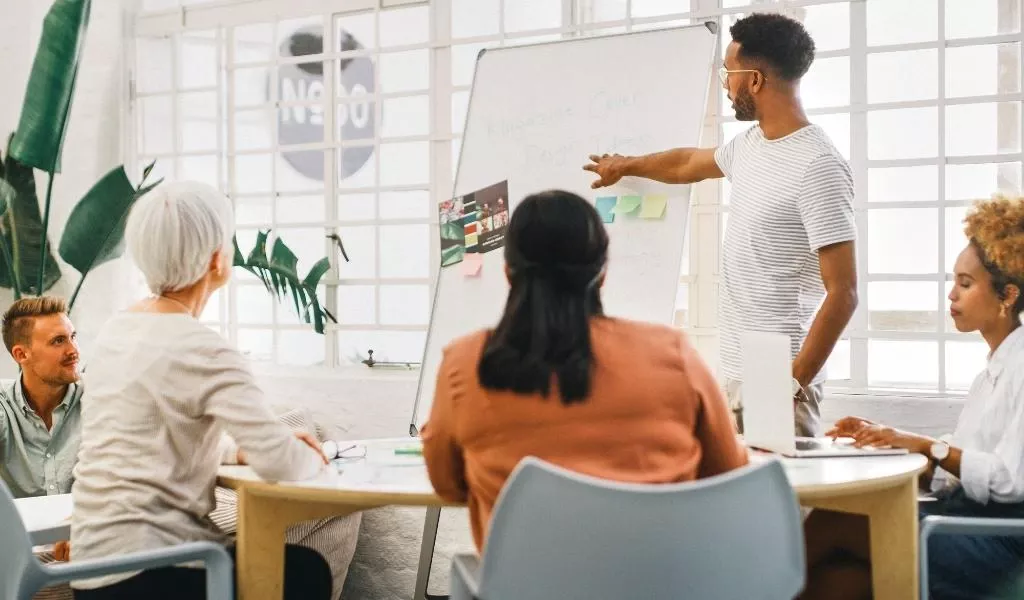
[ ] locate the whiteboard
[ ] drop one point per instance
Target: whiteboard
(535, 114)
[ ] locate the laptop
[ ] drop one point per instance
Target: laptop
(768, 404)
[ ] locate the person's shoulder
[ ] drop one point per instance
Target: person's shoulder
(467, 347)
(7, 390)
(749, 134)
(1013, 363)
(7, 398)
(640, 336)
(185, 339)
(818, 147)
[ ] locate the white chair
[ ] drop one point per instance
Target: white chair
(933, 525)
(559, 534)
(21, 574)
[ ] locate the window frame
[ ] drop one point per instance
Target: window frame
(702, 274)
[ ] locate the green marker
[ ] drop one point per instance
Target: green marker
(409, 451)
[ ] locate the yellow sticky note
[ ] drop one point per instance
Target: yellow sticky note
(471, 264)
(653, 207)
(471, 240)
(627, 204)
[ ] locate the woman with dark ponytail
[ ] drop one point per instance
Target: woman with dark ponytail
(559, 380)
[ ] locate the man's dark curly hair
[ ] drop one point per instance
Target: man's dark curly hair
(781, 42)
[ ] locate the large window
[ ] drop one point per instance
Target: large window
(348, 122)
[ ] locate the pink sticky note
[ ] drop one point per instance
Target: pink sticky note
(471, 264)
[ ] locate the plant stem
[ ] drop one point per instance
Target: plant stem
(74, 295)
(46, 238)
(15, 284)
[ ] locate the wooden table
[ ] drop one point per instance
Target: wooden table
(266, 510)
(884, 488)
(47, 518)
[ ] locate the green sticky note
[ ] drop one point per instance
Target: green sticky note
(627, 204)
(653, 207)
(604, 208)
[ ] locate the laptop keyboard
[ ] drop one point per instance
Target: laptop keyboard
(813, 444)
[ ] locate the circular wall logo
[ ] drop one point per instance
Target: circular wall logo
(304, 82)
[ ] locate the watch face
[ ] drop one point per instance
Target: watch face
(939, 450)
(330, 449)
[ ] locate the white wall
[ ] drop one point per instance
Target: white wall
(92, 146)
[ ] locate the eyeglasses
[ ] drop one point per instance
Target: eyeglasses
(332, 451)
(723, 73)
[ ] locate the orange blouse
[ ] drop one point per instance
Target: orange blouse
(655, 414)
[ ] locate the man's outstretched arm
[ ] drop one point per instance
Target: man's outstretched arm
(679, 165)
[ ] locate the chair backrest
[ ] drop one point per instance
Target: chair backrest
(559, 534)
(20, 572)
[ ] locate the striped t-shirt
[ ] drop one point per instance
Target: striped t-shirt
(790, 197)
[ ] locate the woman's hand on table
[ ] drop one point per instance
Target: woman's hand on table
(881, 435)
(867, 433)
(304, 437)
(313, 443)
(847, 426)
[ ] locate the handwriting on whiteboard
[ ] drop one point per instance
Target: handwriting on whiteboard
(566, 153)
(602, 105)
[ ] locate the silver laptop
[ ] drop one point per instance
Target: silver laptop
(768, 403)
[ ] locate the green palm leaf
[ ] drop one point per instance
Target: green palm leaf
(51, 86)
(95, 230)
(280, 277)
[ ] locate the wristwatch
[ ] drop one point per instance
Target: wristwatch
(939, 451)
(798, 390)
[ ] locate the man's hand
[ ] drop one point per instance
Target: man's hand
(610, 168)
(62, 551)
(309, 440)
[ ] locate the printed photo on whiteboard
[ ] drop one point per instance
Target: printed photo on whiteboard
(493, 215)
(453, 232)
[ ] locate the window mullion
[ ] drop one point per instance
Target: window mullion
(858, 164)
(330, 157)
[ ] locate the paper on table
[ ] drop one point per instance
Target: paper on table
(627, 204)
(605, 206)
(653, 207)
(471, 264)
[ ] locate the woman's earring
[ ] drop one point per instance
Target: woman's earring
(1002, 310)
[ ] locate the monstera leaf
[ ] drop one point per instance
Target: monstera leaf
(279, 274)
(95, 230)
(51, 86)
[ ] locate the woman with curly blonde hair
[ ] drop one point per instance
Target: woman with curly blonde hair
(981, 466)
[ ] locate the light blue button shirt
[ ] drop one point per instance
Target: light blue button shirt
(34, 461)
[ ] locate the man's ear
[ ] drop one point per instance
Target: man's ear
(756, 82)
(19, 353)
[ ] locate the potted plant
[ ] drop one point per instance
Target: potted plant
(94, 233)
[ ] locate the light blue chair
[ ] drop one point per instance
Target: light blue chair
(933, 525)
(21, 574)
(559, 534)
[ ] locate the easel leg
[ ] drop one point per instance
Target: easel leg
(426, 552)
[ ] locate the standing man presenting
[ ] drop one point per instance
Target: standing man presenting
(788, 263)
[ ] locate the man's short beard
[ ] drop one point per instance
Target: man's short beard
(744, 107)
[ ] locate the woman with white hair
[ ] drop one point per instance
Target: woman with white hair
(163, 390)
